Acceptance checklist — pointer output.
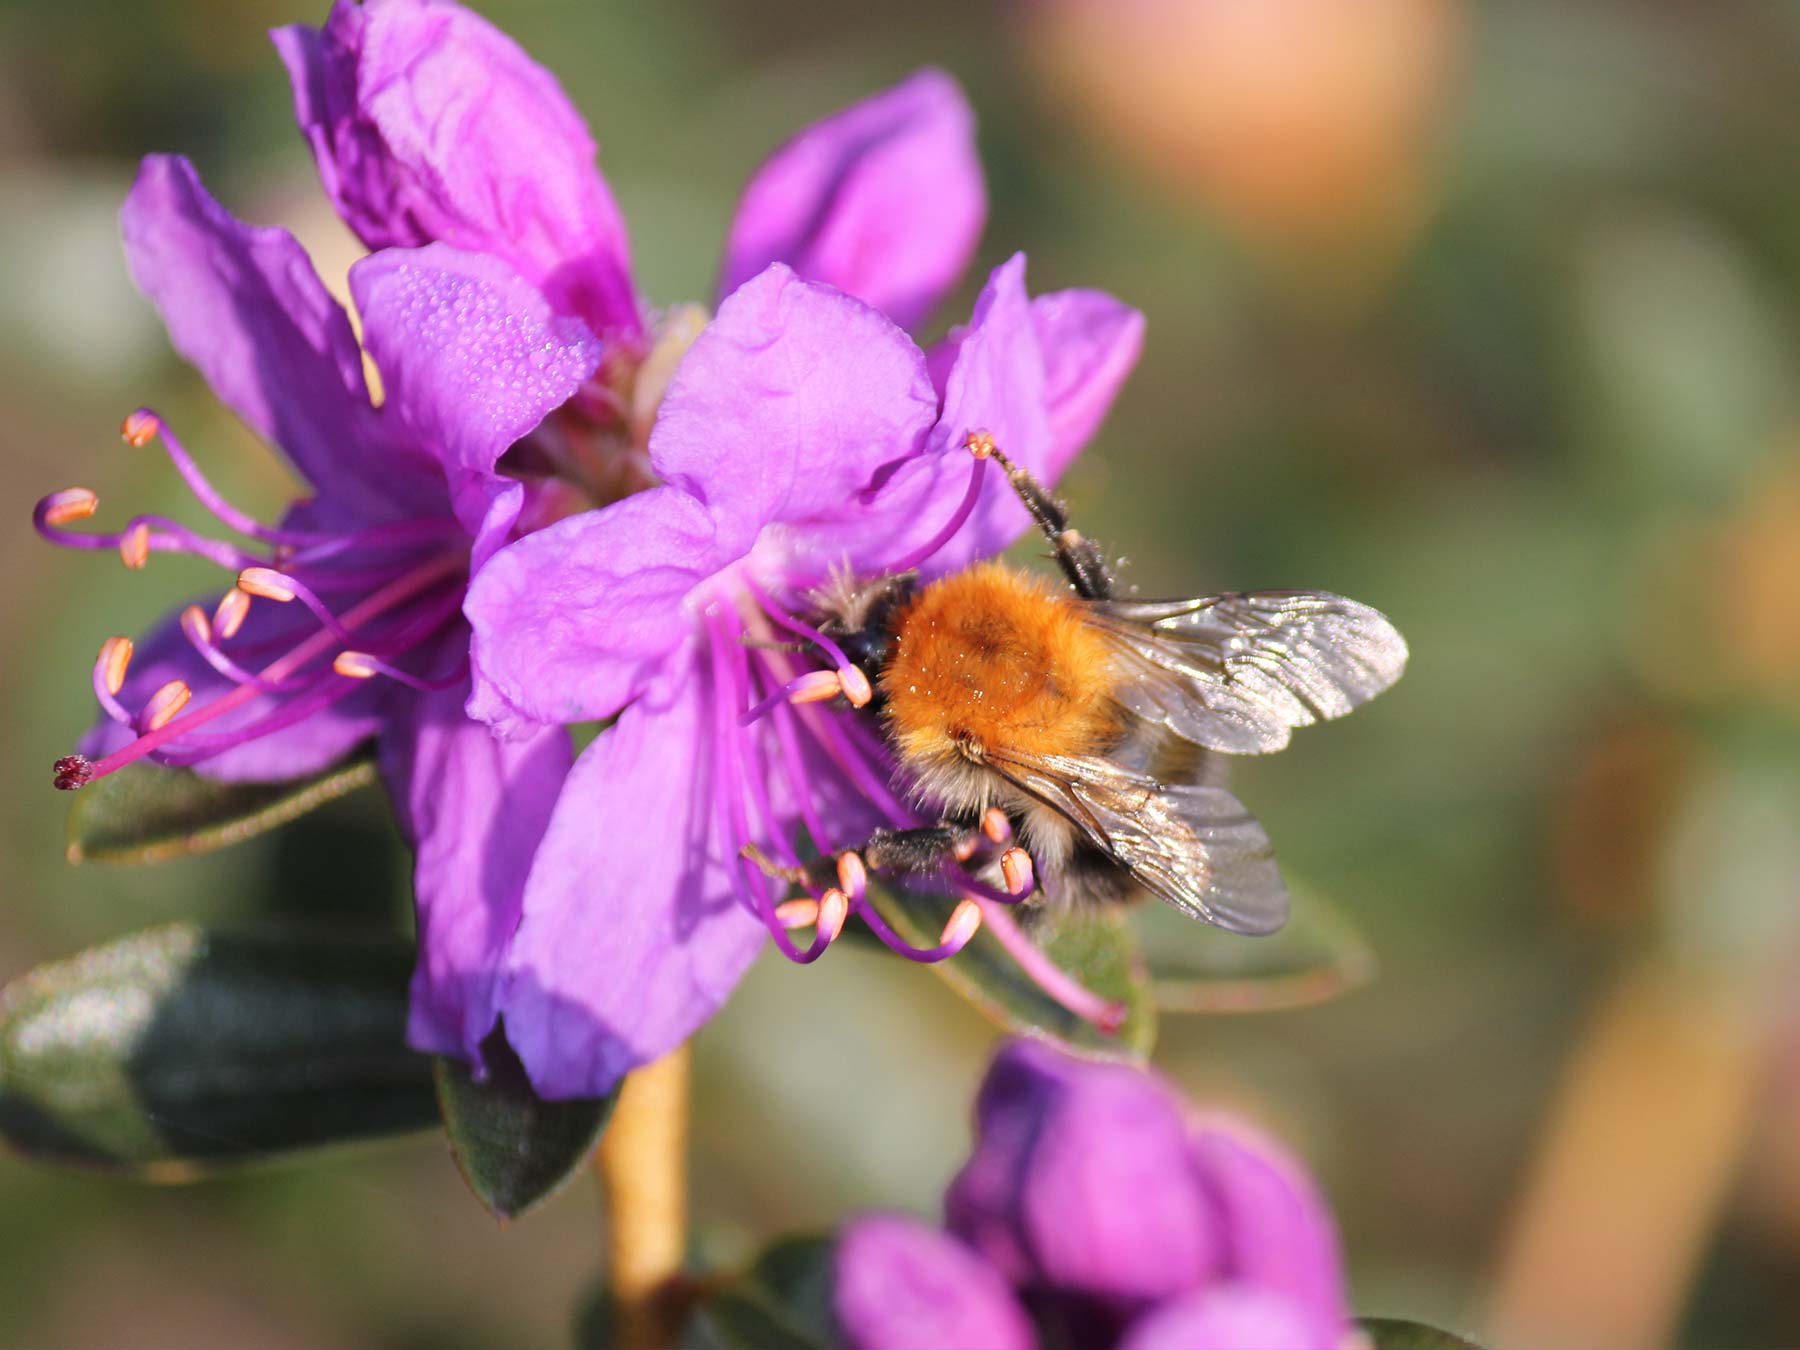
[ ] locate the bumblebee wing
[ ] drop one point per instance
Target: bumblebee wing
(1237, 672)
(1193, 845)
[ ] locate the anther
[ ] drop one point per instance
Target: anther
(164, 704)
(196, 625)
(853, 873)
(76, 503)
(266, 582)
(134, 546)
(995, 825)
(964, 920)
(979, 444)
(834, 909)
(1016, 871)
(140, 427)
(231, 612)
(115, 660)
(802, 912)
(815, 687)
(72, 771)
(965, 847)
(356, 665)
(855, 686)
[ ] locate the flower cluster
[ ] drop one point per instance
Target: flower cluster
(569, 507)
(1095, 1211)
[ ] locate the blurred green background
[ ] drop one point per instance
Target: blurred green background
(1483, 313)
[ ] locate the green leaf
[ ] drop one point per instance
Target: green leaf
(180, 1047)
(1096, 947)
(514, 1148)
(1196, 968)
(147, 813)
(783, 1302)
(1387, 1333)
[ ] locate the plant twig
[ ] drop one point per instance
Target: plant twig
(642, 1161)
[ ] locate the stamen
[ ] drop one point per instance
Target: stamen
(815, 686)
(144, 425)
(958, 931)
(981, 446)
(853, 874)
(834, 910)
(199, 633)
(855, 685)
(115, 660)
(140, 427)
(962, 925)
(59, 508)
(231, 612)
(799, 913)
(164, 704)
(1016, 870)
(363, 666)
(134, 545)
(197, 626)
(996, 826)
(1106, 1015)
(965, 847)
(266, 582)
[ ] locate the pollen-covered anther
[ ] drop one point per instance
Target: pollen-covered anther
(1016, 871)
(853, 873)
(113, 662)
(962, 925)
(134, 546)
(834, 909)
(355, 665)
(979, 444)
(76, 503)
(855, 686)
(196, 625)
(164, 704)
(996, 826)
(230, 613)
(801, 912)
(140, 427)
(266, 582)
(72, 771)
(966, 846)
(815, 687)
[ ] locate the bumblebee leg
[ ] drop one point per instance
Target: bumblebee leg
(1078, 556)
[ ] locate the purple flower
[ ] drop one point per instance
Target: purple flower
(364, 580)
(802, 438)
(1094, 1205)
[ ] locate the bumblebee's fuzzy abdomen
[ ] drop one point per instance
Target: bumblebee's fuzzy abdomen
(996, 659)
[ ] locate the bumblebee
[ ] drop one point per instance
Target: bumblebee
(1087, 727)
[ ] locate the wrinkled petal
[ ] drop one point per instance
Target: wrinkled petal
(474, 808)
(428, 123)
(573, 620)
(631, 936)
(1078, 1179)
(243, 304)
(1275, 1230)
(898, 1284)
(1228, 1318)
(788, 404)
(883, 200)
(472, 358)
(996, 384)
(314, 743)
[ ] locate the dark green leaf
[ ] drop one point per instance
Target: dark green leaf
(147, 813)
(782, 1303)
(1196, 968)
(514, 1148)
(1096, 947)
(180, 1047)
(1387, 1333)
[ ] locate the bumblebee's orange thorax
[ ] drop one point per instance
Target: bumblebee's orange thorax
(996, 659)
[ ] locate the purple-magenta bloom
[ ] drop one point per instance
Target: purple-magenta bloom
(802, 438)
(1095, 1206)
(346, 622)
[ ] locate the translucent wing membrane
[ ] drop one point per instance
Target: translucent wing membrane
(1195, 846)
(1238, 672)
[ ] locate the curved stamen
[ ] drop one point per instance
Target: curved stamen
(428, 529)
(980, 445)
(855, 683)
(199, 632)
(145, 425)
(148, 533)
(1104, 1013)
(363, 666)
(109, 678)
(959, 929)
(285, 586)
(164, 704)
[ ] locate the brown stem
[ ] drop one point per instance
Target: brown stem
(642, 1162)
